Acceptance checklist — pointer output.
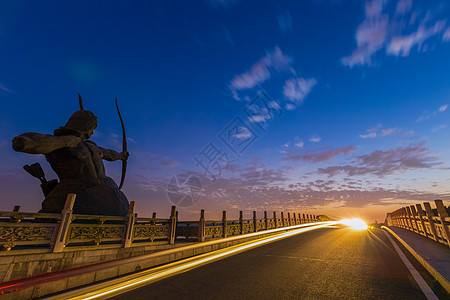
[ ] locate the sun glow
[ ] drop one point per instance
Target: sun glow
(357, 224)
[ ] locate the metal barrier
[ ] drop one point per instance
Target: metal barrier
(431, 223)
(60, 232)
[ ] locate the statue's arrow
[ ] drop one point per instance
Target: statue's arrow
(124, 147)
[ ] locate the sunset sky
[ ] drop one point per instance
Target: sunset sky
(336, 107)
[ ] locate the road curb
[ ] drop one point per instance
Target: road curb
(438, 276)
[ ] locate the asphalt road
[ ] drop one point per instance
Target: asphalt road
(329, 263)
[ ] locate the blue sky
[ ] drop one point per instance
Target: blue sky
(355, 99)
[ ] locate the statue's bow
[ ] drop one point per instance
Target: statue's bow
(124, 147)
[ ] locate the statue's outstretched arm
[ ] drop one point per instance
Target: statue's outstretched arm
(111, 155)
(38, 143)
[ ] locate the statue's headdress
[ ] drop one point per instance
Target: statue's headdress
(81, 123)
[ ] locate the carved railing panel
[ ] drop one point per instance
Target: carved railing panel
(248, 227)
(260, 225)
(87, 233)
(12, 234)
(271, 223)
(213, 231)
(233, 229)
(150, 232)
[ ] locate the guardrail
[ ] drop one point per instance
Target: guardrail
(60, 232)
(431, 223)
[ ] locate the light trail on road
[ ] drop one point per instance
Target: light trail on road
(130, 282)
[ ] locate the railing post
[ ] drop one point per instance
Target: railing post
(430, 216)
(442, 213)
(275, 219)
(173, 225)
(282, 219)
(411, 220)
(289, 219)
(255, 222)
(224, 223)
(295, 219)
(404, 218)
(201, 226)
(241, 221)
(129, 225)
(15, 209)
(304, 220)
(398, 218)
(66, 218)
(414, 215)
(266, 221)
(421, 216)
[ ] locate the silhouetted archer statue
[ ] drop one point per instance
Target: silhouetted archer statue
(78, 163)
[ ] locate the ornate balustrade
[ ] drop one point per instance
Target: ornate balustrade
(431, 223)
(66, 231)
(23, 229)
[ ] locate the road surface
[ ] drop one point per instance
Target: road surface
(328, 263)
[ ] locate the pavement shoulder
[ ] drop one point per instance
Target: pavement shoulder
(434, 256)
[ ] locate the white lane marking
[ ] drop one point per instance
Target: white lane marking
(420, 281)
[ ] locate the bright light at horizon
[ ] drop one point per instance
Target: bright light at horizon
(357, 224)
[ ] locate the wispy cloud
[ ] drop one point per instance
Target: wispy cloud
(299, 143)
(315, 139)
(290, 106)
(297, 89)
(388, 131)
(321, 156)
(401, 45)
(409, 132)
(273, 61)
(164, 160)
(285, 22)
(369, 135)
(403, 6)
(386, 162)
(446, 36)
(438, 127)
(4, 89)
(378, 131)
(427, 115)
(114, 140)
(243, 133)
(228, 36)
(396, 28)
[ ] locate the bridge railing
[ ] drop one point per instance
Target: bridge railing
(67, 231)
(431, 223)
